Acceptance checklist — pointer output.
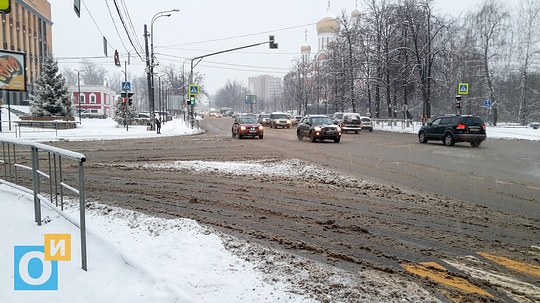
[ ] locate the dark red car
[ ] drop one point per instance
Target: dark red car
(247, 126)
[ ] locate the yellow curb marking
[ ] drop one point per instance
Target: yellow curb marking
(439, 274)
(515, 265)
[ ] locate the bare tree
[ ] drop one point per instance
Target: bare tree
(489, 24)
(528, 25)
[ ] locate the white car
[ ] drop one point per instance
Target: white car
(367, 124)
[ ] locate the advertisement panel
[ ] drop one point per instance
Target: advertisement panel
(12, 71)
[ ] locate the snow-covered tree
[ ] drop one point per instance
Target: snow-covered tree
(123, 112)
(51, 96)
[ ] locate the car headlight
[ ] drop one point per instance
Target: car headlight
(289, 122)
(242, 128)
(261, 127)
(317, 129)
(339, 129)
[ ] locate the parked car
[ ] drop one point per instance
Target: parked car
(452, 128)
(94, 113)
(141, 119)
(278, 119)
(350, 122)
(318, 127)
(247, 126)
(264, 119)
(367, 124)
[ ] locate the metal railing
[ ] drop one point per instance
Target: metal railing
(21, 169)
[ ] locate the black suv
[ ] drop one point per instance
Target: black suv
(451, 129)
(318, 127)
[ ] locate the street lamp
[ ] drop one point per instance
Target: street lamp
(79, 90)
(151, 67)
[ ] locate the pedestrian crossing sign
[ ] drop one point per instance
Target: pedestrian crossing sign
(194, 90)
(463, 89)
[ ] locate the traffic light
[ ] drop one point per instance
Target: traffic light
(271, 43)
(191, 100)
(130, 100)
(458, 102)
(124, 101)
(5, 6)
(117, 58)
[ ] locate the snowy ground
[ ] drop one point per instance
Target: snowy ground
(133, 257)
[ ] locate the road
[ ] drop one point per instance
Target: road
(389, 201)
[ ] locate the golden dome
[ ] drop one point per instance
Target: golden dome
(305, 48)
(328, 25)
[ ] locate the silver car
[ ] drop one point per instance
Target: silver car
(367, 124)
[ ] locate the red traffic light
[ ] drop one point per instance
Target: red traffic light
(123, 100)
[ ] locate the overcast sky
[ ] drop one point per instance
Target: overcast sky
(200, 28)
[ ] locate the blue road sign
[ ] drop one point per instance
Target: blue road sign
(194, 89)
(126, 85)
(463, 88)
(487, 103)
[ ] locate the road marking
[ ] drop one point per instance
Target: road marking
(515, 265)
(439, 274)
(533, 187)
(503, 182)
(502, 280)
(479, 178)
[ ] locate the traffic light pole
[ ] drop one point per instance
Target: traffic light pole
(198, 59)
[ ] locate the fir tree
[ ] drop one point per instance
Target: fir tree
(51, 96)
(123, 111)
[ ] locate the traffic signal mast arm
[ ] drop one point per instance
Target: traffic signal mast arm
(199, 58)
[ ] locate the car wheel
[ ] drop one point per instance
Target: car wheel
(475, 143)
(240, 136)
(370, 130)
(299, 136)
(261, 136)
(448, 139)
(312, 137)
(336, 140)
(356, 132)
(422, 137)
(233, 134)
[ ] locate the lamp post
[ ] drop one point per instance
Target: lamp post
(151, 67)
(79, 90)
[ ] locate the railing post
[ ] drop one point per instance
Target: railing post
(82, 212)
(35, 183)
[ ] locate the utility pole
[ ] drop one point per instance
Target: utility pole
(149, 71)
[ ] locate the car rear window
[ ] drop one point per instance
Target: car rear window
(473, 121)
(281, 116)
(248, 120)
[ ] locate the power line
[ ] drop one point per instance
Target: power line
(241, 36)
(115, 27)
(127, 31)
(94, 20)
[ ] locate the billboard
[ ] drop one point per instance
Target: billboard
(12, 71)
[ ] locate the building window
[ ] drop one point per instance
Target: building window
(82, 98)
(93, 98)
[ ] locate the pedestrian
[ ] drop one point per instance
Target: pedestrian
(158, 124)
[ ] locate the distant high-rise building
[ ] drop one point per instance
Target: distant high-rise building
(267, 88)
